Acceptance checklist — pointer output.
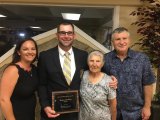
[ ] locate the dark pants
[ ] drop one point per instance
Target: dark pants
(129, 115)
(67, 116)
(43, 118)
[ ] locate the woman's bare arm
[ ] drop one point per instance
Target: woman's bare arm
(7, 85)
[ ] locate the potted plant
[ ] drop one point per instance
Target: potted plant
(149, 28)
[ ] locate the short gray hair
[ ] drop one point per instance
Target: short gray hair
(96, 53)
(120, 30)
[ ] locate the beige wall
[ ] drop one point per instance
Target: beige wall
(125, 20)
(78, 2)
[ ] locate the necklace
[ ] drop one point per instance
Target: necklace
(30, 73)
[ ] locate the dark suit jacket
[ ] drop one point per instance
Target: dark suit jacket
(52, 78)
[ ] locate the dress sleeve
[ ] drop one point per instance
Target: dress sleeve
(111, 91)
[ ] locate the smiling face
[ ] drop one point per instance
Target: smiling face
(95, 63)
(65, 36)
(121, 42)
(27, 51)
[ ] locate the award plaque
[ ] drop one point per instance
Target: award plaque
(65, 101)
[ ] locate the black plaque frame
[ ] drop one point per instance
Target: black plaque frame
(65, 101)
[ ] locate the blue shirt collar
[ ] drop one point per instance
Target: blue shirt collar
(130, 53)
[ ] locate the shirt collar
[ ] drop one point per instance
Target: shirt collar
(130, 53)
(62, 52)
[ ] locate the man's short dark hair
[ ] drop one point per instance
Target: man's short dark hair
(65, 23)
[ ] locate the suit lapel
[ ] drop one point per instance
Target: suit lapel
(77, 65)
(56, 59)
(76, 57)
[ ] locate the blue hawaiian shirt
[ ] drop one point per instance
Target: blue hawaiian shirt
(132, 74)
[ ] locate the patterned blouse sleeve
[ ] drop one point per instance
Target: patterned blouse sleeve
(111, 91)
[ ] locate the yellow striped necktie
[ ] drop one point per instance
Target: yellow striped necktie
(67, 67)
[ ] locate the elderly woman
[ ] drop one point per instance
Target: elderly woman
(98, 100)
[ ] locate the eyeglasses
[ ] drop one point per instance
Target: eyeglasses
(63, 33)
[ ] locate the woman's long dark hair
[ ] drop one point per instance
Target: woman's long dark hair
(16, 57)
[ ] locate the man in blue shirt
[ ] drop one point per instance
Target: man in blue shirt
(134, 75)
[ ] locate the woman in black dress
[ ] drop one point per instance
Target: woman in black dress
(19, 83)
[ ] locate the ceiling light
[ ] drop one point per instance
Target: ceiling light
(71, 16)
(22, 34)
(35, 27)
(2, 15)
(1, 27)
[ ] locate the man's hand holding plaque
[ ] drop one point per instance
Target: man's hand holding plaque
(65, 101)
(50, 112)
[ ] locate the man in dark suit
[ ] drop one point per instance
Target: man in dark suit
(51, 75)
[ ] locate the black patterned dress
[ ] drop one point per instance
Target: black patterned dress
(23, 98)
